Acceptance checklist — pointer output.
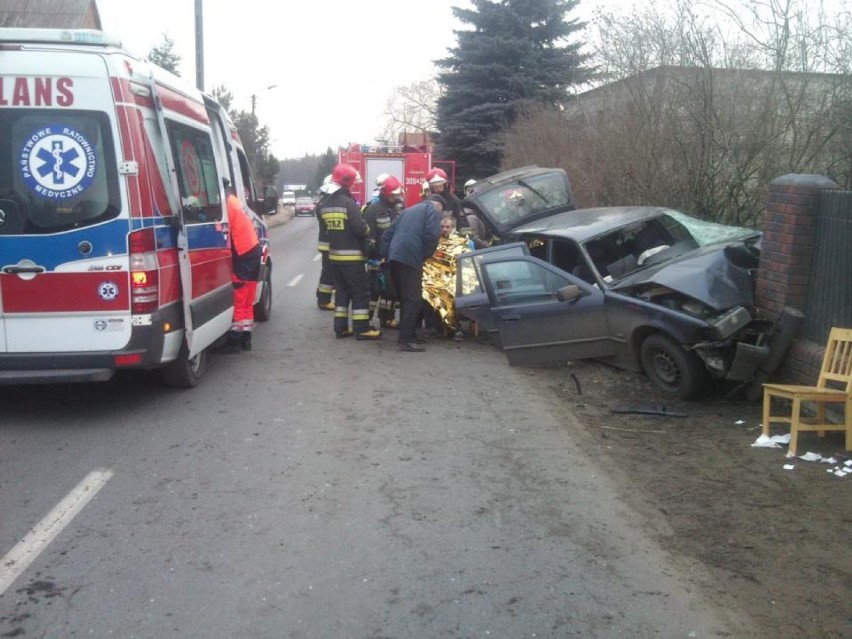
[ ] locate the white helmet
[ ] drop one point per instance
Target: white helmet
(328, 187)
(381, 179)
(469, 183)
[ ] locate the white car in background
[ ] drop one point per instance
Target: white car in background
(288, 198)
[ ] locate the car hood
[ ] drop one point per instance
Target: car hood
(719, 276)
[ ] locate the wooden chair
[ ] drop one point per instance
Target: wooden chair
(833, 387)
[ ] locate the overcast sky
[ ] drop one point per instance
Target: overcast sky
(334, 62)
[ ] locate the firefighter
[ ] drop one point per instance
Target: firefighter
(325, 288)
(376, 191)
(478, 231)
(379, 216)
(347, 234)
(472, 228)
(246, 254)
(437, 179)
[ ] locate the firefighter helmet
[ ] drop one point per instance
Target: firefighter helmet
(469, 183)
(436, 176)
(381, 179)
(345, 175)
(391, 186)
(425, 189)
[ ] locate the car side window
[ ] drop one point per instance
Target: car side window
(198, 179)
(523, 281)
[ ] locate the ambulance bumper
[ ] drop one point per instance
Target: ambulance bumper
(59, 368)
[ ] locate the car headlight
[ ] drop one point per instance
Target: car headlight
(729, 323)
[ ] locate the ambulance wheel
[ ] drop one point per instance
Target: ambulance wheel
(263, 308)
(185, 372)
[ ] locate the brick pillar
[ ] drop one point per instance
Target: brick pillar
(789, 228)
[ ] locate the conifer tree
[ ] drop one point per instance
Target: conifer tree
(516, 51)
(164, 55)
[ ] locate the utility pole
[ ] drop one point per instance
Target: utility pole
(199, 46)
(254, 95)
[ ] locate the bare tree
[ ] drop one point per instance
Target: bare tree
(704, 105)
(412, 107)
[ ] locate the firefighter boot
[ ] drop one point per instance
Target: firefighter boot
(245, 341)
(371, 333)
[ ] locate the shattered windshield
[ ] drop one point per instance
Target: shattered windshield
(516, 200)
(630, 248)
(706, 232)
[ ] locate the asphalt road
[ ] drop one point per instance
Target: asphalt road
(328, 488)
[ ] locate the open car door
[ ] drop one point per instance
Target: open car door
(541, 313)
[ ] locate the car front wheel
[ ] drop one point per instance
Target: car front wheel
(671, 368)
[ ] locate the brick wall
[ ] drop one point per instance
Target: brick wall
(789, 229)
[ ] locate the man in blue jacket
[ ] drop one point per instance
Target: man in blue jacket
(414, 238)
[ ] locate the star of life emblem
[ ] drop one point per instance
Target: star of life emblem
(58, 162)
(108, 291)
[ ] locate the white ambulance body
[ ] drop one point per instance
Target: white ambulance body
(114, 247)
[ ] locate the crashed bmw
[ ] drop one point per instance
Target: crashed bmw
(644, 288)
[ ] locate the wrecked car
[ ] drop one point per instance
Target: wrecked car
(643, 288)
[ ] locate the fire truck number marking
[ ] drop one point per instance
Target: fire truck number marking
(58, 162)
(191, 168)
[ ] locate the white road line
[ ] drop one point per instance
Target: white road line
(317, 256)
(296, 280)
(34, 542)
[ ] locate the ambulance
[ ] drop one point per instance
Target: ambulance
(114, 248)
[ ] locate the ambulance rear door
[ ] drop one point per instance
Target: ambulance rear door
(64, 270)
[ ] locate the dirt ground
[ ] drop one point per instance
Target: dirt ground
(776, 542)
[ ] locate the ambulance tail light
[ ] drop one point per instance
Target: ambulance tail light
(144, 275)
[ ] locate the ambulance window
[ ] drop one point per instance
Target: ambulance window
(57, 171)
(198, 178)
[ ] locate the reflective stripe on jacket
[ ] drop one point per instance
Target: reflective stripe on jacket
(344, 226)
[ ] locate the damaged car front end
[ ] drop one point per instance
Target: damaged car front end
(654, 293)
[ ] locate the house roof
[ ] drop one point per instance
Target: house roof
(50, 14)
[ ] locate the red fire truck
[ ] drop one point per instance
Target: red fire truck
(408, 163)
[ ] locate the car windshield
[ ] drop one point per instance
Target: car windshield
(518, 199)
(706, 232)
(630, 248)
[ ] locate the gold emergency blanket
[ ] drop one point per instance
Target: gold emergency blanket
(439, 278)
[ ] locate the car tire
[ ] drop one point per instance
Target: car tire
(185, 372)
(670, 368)
(263, 308)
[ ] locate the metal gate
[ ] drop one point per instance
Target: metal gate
(829, 301)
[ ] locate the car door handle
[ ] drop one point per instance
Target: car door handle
(514, 317)
(23, 269)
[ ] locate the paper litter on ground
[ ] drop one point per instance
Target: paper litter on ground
(809, 456)
(789, 466)
(740, 422)
(775, 441)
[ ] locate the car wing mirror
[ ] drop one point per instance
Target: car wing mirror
(569, 293)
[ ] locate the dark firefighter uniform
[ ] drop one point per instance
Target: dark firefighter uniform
(346, 233)
(379, 216)
(325, 288)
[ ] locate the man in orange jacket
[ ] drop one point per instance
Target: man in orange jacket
(246, 253)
